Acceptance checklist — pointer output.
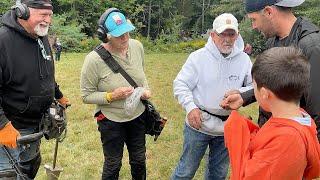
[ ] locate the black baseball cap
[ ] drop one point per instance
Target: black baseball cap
(38, 4)
(257, 5)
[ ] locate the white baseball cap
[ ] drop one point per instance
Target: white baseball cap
(225, 21)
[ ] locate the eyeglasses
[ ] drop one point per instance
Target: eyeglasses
(225, 35)
(43, 50)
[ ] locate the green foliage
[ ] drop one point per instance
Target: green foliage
(188, 46)
(78, 12)
(148, 44)
(69, 34)
(74, 20)
(172, 34)
(5, 6)
(234, 7)
(89, 44)
(310, 9)
(162, 46)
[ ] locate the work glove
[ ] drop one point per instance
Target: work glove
(64, 101)
(9, 135)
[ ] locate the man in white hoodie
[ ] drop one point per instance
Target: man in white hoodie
(200, 86)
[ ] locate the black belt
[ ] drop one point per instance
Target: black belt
(223, 118)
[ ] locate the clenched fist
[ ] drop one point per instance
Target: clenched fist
(194, 118)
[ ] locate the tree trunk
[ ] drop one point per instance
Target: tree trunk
(149, 18)
(159, 20)
(202, 19)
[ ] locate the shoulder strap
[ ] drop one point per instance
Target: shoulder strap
(113, 64)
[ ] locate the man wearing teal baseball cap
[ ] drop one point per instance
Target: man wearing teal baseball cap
(109, 91)
(276, 21)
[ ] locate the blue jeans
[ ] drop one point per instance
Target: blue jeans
(194, 147)
(28, 156)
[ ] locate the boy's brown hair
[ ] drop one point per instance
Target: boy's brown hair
(283, 70)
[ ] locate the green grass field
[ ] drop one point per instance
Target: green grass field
(80, 155)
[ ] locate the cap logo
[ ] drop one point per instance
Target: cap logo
(228, 21)
(117, 19)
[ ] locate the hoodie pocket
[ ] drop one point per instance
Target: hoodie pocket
(211, 124)
(37, 105)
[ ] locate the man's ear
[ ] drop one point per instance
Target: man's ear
(212, 34)
(268, 11)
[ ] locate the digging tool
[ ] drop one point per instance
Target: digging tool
(53, 172)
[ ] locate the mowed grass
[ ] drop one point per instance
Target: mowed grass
(80, 154)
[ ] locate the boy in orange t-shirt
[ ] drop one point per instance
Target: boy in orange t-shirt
(286, 147)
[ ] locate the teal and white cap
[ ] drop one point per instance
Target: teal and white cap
(117, 24)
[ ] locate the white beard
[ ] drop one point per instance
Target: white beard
(41, 31)
(225, 50)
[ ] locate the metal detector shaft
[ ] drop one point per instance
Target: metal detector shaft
(55, 154)
(14, 163)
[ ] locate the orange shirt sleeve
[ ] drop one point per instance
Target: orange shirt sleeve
(238, 132)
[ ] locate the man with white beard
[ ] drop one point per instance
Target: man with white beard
(27, 82)
(199, 87)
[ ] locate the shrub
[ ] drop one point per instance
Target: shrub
(188, 46)
(89, 44)
(177, 47)
(147, 43)
(69, 34)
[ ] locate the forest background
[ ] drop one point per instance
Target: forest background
(161, 25)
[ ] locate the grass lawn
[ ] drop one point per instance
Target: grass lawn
(80, 155)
